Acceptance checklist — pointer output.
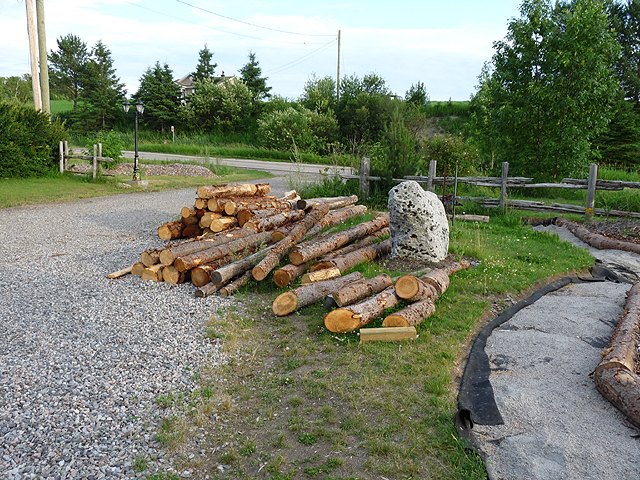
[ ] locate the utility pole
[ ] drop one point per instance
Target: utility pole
(33, 51)
(42, 50)
(338, 80)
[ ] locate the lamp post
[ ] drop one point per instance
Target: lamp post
(138, 113)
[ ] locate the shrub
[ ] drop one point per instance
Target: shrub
(28, 142)
(448, 151)
(112, 145)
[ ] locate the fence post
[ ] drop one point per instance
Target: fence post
(432, 175)
(66, 154)
(591, 191)
(503, 186)
(61, 152)
(365, 167)
(95, 160)
(100, 150)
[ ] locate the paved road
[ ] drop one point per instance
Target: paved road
(276, 168)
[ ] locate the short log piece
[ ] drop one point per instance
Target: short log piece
(287, 274)
(411, 315)
(154, 273)
(235, 285)
(171, 230)
(137, 269)
(238, 190)
(358, 291)
(170, 274)
(348, 319)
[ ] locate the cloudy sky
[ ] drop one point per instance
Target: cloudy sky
(441, 43)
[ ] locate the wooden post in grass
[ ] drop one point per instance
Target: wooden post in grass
(66, 153)
(591, 191)
(365, 168)
(432, 175)
(95, 160)
(61, 152)
(503, 186)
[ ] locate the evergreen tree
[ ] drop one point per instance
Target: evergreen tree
(102, 93)
(417, 95)
(205, 69)
(625, 20)
(161, 96)
(68, 65)
(250, 75)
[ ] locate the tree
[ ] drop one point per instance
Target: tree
(250, 75)
(417, 95)
(625, 20)
(68, 65)
(16, 89)
(552, 89)
(102, 91)
(205, 69)
(161, 96)
(319, 94)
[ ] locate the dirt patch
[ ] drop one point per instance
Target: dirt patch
(626, 230)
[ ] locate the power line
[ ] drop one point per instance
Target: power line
(253, 24)
(299, 60)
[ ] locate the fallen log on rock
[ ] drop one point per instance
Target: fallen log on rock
(332, 202)
(350, 260)
(616, 376)
(277, 253)
(348, 319)
(358, 291)
(315, 248)
(596, 240)
(171, 230)
(241, 190)
(412, 315)
(301, 297)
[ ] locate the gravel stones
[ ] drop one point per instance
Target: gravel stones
(173, 169)
(82, 357)
(418, 223)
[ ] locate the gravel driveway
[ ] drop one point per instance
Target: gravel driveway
(82, 357)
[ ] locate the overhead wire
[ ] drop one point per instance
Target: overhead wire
(299, 60)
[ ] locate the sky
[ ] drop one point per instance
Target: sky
(440, 43)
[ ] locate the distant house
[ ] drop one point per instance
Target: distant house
(186, 83)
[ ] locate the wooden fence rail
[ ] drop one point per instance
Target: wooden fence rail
(96, 158)
(504, 182)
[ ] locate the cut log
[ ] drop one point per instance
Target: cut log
(237, 268)
(368, 240)
(223, 223)
(154, 272)
(235, 285)
(431, 285)
(356, 292)
(246, 214)
(471, 218)
(234, 205)
(137, 269)
(121, 273)
(170, 274)
(170, 253)
(207, 218)
(277, 253)
(315, 248)
(188, 262)
(320, 275)
(206, 290)
(275, 221)
(281, 232)
(193, 220)
(201, 275)
(333, 202)
(596, 240)
(389, 334)
(187, 212)
(201, 203)
(150, 256)
(239, 190)
(412, 315)
(213, 205)
(334, 217)
(350, 260)
(348, 319)
(171, 230)
(191, 231)
(301, 297)
(287, 274)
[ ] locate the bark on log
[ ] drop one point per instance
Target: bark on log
(287, 274)
(277, 253)
(316, 248)
(431, 285)
(207, 218)
(235, 285)
(137, 269)
(150, 256)
(348, 319)
(170, 274)
(335, 217)
(412, 315)
(199, 258)
(154, 272)
(355, 292)
(201, 275)
(350, 260)
(363, 242)
(615, 376)
(595, 240)
(234, 205)
(121, 273)
(206, 290)
(240, 190)
(333, 202)
(170, 253)
(301, 297)
(246, 214)
(223, 223)
(275, 221)
(171, 230)
(224, 274)
(320, 276)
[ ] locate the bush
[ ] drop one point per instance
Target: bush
(449, 151)
(312, 132)
(112, 146)
(28, 142)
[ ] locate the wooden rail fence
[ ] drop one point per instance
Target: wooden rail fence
(504, 182)
(96, 158)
